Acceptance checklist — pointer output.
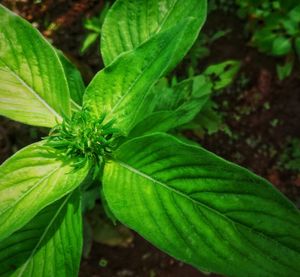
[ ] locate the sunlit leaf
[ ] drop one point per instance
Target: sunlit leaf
(32, 179)
(34, 88)
(128, 24)
(120, 89)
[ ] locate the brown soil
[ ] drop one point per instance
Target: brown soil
(261, 115)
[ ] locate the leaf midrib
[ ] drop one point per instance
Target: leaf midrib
(165, 186)
(34, 93)
(44, 235)
(141, 75)
(30, 190)
(162, 23)
(135, 81)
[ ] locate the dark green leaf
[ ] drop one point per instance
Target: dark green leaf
(202, 209)
(209, 120)
(175, 106)
(297, 46)
(281, 46)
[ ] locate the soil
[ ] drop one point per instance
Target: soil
(261, 112)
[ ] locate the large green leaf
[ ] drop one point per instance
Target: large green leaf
(49, 245)
(175, 106)
(202, 209)
(120, 89)
(128, 24)
(32, 179)
(33, 88)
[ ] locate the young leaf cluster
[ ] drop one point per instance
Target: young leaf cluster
(83, 137)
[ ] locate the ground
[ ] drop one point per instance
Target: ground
(261, 112)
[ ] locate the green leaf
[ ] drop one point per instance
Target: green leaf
(285, 70)
(281, 46)
(175, 106)
(209, 120)
(33, 88)
(128, 24)
(297, 46)
(290, 26)
(294, 14)
(74, 79)
(264, 39)
(88, 41)
(222, 74)
(202, 209)
(49, 245)
(120, 89)
(32, 179)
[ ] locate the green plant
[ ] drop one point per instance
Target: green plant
(201, 50)
(208, 119)
(187, 201)
(93, 25)
(290, 158)
(274, 26)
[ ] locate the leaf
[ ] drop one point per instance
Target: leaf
(49, 245)
(202, 209)
(120, 89)
(185, 95)
(129, 24)
(88, 42)
(290, 26)
(285, 70)
(33, 89)
(294, 14)
(222, 74)
(281, 46)
(32, 179)
(297, 46)
(209, 120)
(264, 39)
(175, 106)
(74, 79)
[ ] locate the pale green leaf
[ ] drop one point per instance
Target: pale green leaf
(32, 179)
(49, 245)
(128, 24)
(33, 88)
(202, 209)
(120, 89)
